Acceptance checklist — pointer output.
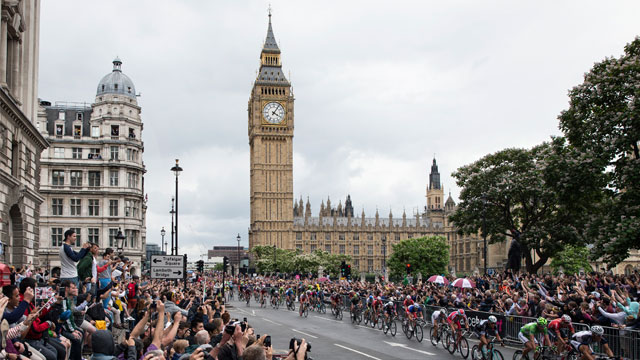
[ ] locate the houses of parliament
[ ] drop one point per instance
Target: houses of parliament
(277, 219)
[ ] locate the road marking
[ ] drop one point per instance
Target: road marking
(303, 333)
(271, 321)
(404, 346)
(253, 312)
(323, 318)
(356, 351)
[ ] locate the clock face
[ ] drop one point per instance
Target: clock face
(273, 113)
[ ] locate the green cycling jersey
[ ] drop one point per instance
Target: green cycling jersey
(532, 328)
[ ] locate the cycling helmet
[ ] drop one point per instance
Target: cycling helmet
(597, 330)
(493, 319)
(379, 297)
(461, 312)
(566, 318)
(542, 321)
(390, 303)
(443, 312)
(371, 297)
(408, 297)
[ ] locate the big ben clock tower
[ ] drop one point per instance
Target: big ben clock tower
(271, 143)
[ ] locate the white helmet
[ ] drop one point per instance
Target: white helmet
(493, 319)
(379, 298)
(408, 297)
(597, 330)
(566, 318)
(390, 303)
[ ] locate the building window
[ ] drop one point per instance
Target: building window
(56, 206)
(77, 130)
(132, 180)
(370, 237)
(113, 207)
(58, 153)
(94, 207)
(57, 177)
(370, 265)
(76, 153)
(131, 237)
(59, 129)
(94, 178)
(115, 129)
(397, 237)
(369, 249)
(313, 248)
(76, 207)
(356, 237)
(56, 237)
(114, 153)
(327, 236)
(327, 248)
(61, 115)
(341, 236)
(79, 116)
(94, 235)
(342, 247)
(76, 178)
(132, 133)
(128, 208)
(298, 236)
(114, 177)
(356, 263)
(312, 236)
(468, 246)
(298, 246)
(112, 237)
(94, 154)
(356, 249)
(95, 131)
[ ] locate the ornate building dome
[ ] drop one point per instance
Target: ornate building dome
(116, 82)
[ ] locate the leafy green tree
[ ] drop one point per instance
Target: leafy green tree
(571, 259)
(427, 255)
(290, 261)
(528, 195)
(603, 121)
(218, 267)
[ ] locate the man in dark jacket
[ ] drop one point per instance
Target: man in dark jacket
(104, 347)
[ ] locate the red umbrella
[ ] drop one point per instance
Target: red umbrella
(463, 283)
(438, 279)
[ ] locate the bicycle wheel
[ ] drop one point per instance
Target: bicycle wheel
(434, 339)
(495, 354)
(276, 305)
(393, 328)
(385, 328)
(358, 317)
(339, 314)
(323, 308)
(476, 354)
(419, 334)
(380, 322)
(409, 332)
(451, 344)
(518, 355)
(306, 312)
(463, 347)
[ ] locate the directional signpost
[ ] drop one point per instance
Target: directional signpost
(167, 267)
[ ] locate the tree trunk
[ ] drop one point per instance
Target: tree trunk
(532, 267)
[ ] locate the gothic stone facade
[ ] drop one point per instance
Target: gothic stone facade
(93, 173)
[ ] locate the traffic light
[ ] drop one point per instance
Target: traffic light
(343, 269)
(200, 266)
(348, 271)
(408, 268)
(225, 264)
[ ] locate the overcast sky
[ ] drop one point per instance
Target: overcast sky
(380, 88)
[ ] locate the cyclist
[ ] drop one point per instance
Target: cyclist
(377, 306)
(274, 295)
(335, 300)
(407, 302)
(454, 323)
(263, 293)
(528, 334)
(289, 294)
(437, 317)
(581, 342)
(484, 328)
(389, 310)
(355, 301)
(555, 333)
(304, 299)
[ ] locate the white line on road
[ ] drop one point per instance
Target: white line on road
(303, 333)
(253, 312)
(404, 346)
(271, 321)
(356, 351)
(323, 318)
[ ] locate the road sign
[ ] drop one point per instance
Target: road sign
(167, 267)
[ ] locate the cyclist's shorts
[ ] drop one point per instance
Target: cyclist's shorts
(525, 339)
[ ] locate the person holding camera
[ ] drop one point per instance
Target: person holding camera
(69, 258)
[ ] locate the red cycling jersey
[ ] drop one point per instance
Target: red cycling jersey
(407, 303)
(557, 324)
(454, 317)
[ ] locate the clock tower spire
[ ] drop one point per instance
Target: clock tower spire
(270, 121)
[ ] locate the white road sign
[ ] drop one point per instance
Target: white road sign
(167, 267)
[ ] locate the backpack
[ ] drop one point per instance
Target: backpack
(132, 290)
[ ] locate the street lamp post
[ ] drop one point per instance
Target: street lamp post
(484, 231)
(162, 233)
(275, 258)
(173, 229)
(176, 170)
(120, 242)
(238, 239)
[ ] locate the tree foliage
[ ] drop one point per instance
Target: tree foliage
(571, 259)
(291, 261)
(427, 255)
(603, 120)
(528, 195)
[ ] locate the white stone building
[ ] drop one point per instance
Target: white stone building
(92, 175)
(20, 141)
